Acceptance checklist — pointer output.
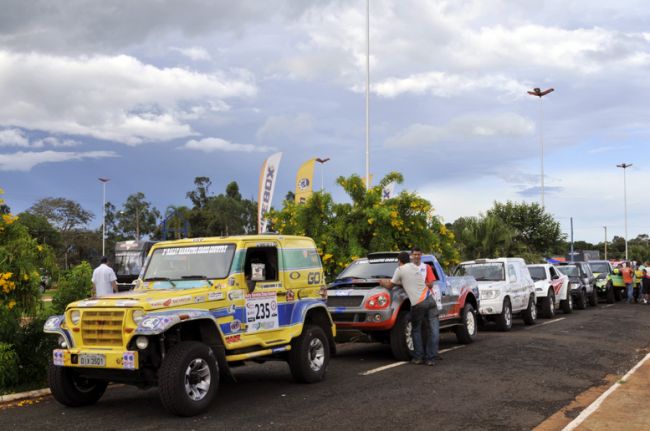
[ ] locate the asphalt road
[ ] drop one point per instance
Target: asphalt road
(503, 381)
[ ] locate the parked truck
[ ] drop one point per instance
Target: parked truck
(130, 257)
(359, 305)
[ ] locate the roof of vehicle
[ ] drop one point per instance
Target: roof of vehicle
(599, 261)
(231, 239)
(544, 265)
(496, 260)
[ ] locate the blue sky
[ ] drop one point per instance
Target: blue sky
(152, 94)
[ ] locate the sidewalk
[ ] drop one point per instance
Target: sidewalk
(625, 406)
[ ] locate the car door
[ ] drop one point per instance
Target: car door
(513, 287)
(448, 293)
(263, 279)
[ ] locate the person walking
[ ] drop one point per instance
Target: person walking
(423, 308)
(104, 279)
(645, 285)
(628, 280)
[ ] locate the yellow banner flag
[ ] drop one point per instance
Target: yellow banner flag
(304, 181)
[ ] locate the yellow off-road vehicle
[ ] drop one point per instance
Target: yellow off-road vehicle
(200, 307)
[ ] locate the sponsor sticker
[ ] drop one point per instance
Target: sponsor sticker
(126, 303)
(234, 295)
(89, 303)
(235, 325)
(294, 275)
(170, 302)
(58, 357)
(215, 296)
(199, 299)
(186, 251)
(128, 361)
(233, 338)
(290, 296)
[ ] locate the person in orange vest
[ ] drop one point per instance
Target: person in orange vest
(628, 279)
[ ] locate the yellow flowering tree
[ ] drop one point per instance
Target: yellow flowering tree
(21, 257)
(345, 231)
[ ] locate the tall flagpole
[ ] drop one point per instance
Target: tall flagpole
(367, 94)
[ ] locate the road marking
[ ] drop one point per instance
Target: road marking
(397, 364)
(546, 323)
(596, 404)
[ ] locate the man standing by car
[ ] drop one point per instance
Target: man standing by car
(628, 280)
(423, 308)
(104, 279)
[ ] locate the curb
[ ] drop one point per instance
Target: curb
(23, 395)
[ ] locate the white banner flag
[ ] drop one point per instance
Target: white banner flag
(388, 191)
(267, 185)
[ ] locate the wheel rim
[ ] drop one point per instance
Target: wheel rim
(408, 333)
(316, 354)
(533, 309)
(470, 323)
(508, 315)
(83, 385)
(552, 307)
(197, 379)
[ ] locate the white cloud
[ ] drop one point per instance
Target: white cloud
(26, 160)
(464, 129)
(210, 145)
(55, 142)
(115, 98)
(280, 126)
(447, 85)
(195, 53)
(13, 138)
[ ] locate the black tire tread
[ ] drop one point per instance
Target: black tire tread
(300, 370)
(500, 319)
(462, 334)
(63, 390)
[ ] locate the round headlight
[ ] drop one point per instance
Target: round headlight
(142, 342)
(137, 316)
(75, 317)
(62, 343)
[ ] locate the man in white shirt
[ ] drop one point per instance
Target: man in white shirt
(104, 279)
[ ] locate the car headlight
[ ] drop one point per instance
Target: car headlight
(75, 317)
(574, 285)
(137, 316)
(142, 342)
(489, 293)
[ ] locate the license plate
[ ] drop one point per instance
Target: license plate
(95, 360)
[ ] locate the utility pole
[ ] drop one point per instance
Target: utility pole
(605, 227)
(624, 166)
(104, 181)
(367, 94)
(539, 93)
(571, 239)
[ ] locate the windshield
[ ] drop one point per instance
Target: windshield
(537, 272)
(375, 268)
(129, 262)
(599, 267)
(483, 271)
(178, 263)
(570, 270)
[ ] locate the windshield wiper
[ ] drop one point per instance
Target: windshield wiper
(381, 276)
(160, 279)
(194, 277)
(352, 277)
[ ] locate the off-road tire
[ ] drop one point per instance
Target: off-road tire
(172, 378)
(593, 298)
(72, 390)
(399, 335)
(581, 304)
(567, 304)
(530, 314)
(610, 296)
(504, 320)
(466, 333)
(548, 305)
(310, 348)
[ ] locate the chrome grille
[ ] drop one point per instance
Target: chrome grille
(102, 328)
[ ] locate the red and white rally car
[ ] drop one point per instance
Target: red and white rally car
(551, 289)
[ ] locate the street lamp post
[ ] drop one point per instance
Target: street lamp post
(322, 168)
(539, 93)
(104, 181)
(624, 166)
(367, 94)
(605, 227)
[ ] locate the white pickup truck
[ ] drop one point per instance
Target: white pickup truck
(505, 288)
(551, 289)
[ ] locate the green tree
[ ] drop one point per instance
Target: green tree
(67, 216)
(483, 237)
(40, 229)
(536, 231)
(345, 231)
(138, 217)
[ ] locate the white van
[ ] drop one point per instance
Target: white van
(505, 288)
